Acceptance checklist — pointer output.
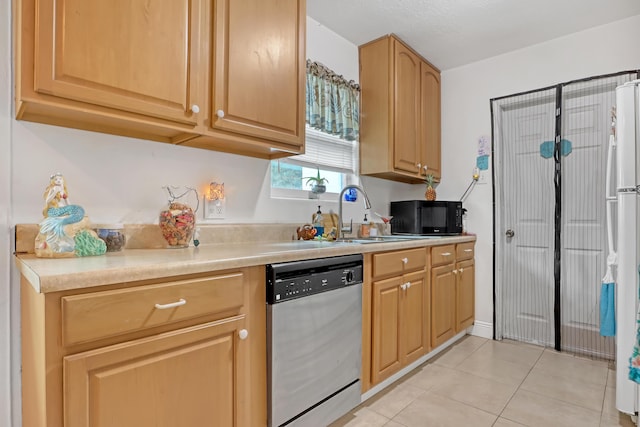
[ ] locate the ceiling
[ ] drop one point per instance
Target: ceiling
(451, 33)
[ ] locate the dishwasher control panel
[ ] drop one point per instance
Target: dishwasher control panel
(291, 280)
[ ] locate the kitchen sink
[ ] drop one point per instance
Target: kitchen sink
(382, 239)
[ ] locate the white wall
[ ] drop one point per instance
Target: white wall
(120, 179)
(5, 229)
(466, 92)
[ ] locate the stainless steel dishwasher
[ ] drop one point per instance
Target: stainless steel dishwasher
(314, 340)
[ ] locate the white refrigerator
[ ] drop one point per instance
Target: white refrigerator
(627, 141)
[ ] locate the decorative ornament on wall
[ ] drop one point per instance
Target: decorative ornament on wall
(484, 150)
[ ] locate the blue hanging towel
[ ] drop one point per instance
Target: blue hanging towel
(608, 305)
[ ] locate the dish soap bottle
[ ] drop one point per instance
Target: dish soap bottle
(317, 223)
(365, 228)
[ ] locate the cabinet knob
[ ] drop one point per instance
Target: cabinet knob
(220, 113)
(195, 109)
(461, 270)
(408, 285)
(510, 233)
(405, 260)
(419, 165)
(243, 334)
(455, 271)
(425, 167)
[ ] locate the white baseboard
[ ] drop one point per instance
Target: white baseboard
(481, 329)
(382, 385)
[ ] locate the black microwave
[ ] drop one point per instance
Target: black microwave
(426, 217)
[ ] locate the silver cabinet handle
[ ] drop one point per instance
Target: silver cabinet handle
(461, 270)
(178, 303)
(446, 253)
(455, 271)
(468, 250)
(405, 260)
(419, 165)
(408, 285)
(243, 334)
(195, 108)
(220, 113)
(425, 167)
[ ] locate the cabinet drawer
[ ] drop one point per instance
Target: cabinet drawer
(98, 315)
(465, 251)
(389, 263)
(443, 254)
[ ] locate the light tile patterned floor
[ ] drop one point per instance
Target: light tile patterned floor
(480, 382)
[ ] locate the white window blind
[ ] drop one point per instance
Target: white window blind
(327, 152)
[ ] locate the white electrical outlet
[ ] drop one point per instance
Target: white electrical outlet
(214, 209)
(484, 177)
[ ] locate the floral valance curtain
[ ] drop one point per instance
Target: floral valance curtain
(333, 103)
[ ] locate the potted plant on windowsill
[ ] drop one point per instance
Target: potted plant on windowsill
(317, 183)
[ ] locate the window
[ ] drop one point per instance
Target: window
(334, 157)
(332, 108)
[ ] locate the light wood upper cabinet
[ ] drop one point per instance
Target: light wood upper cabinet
(132, 55)
(228, 75)
(259, 68)
(406, 117)
(400, 112)
(430, 120)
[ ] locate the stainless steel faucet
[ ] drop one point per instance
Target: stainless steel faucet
(367, 205)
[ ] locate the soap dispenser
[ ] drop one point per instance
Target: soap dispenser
(318, 223)
(365, 228)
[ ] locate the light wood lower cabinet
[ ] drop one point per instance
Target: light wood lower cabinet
(187, 377)
(465, 292)
(152, 360)
(452, 291)
(443, 300)
(414, 300)
(398, 300)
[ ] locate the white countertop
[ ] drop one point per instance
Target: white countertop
(130, 265)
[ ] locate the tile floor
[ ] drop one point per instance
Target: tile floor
(480, 382)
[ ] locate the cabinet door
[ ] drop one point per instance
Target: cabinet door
(190, 377)
(430, 120)
(443, 303)
(385, 344)
(259, 69)
(465, 294)
(130, 55)
(406, 117)
(414, 325)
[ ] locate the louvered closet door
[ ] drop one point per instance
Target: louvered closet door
(586, 124)
(526, 209)
(551, 244)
